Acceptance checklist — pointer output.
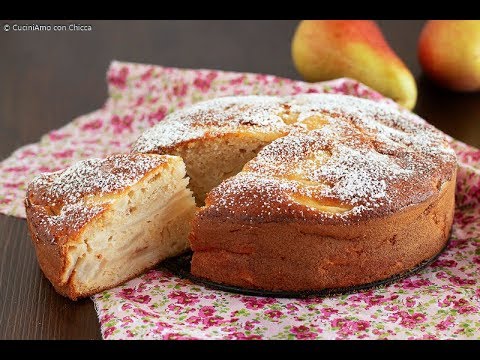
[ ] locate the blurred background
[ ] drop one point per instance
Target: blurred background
(48, 78)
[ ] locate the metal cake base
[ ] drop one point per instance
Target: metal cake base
(180, 266)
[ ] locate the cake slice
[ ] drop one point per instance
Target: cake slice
(104, 221)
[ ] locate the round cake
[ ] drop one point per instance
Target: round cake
(323, 191)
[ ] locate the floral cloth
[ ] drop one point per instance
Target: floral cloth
(443, 301)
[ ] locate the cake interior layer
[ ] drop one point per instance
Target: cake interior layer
(210, 161)
(150, 223)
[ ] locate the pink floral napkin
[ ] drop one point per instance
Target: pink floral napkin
(440, 302)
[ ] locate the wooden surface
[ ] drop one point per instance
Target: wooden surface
(49, 78)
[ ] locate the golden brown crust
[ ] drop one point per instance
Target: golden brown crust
(306, 256)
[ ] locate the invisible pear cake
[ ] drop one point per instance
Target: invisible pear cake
(304, 192)
(311, 191)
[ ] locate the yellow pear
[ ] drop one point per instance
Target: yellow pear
(329, 49)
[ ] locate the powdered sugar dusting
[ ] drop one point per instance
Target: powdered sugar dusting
(213, 117)
(64, 195)
(366, 157)
(95, 177)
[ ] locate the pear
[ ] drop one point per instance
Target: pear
(449, 52)
(328, 49)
